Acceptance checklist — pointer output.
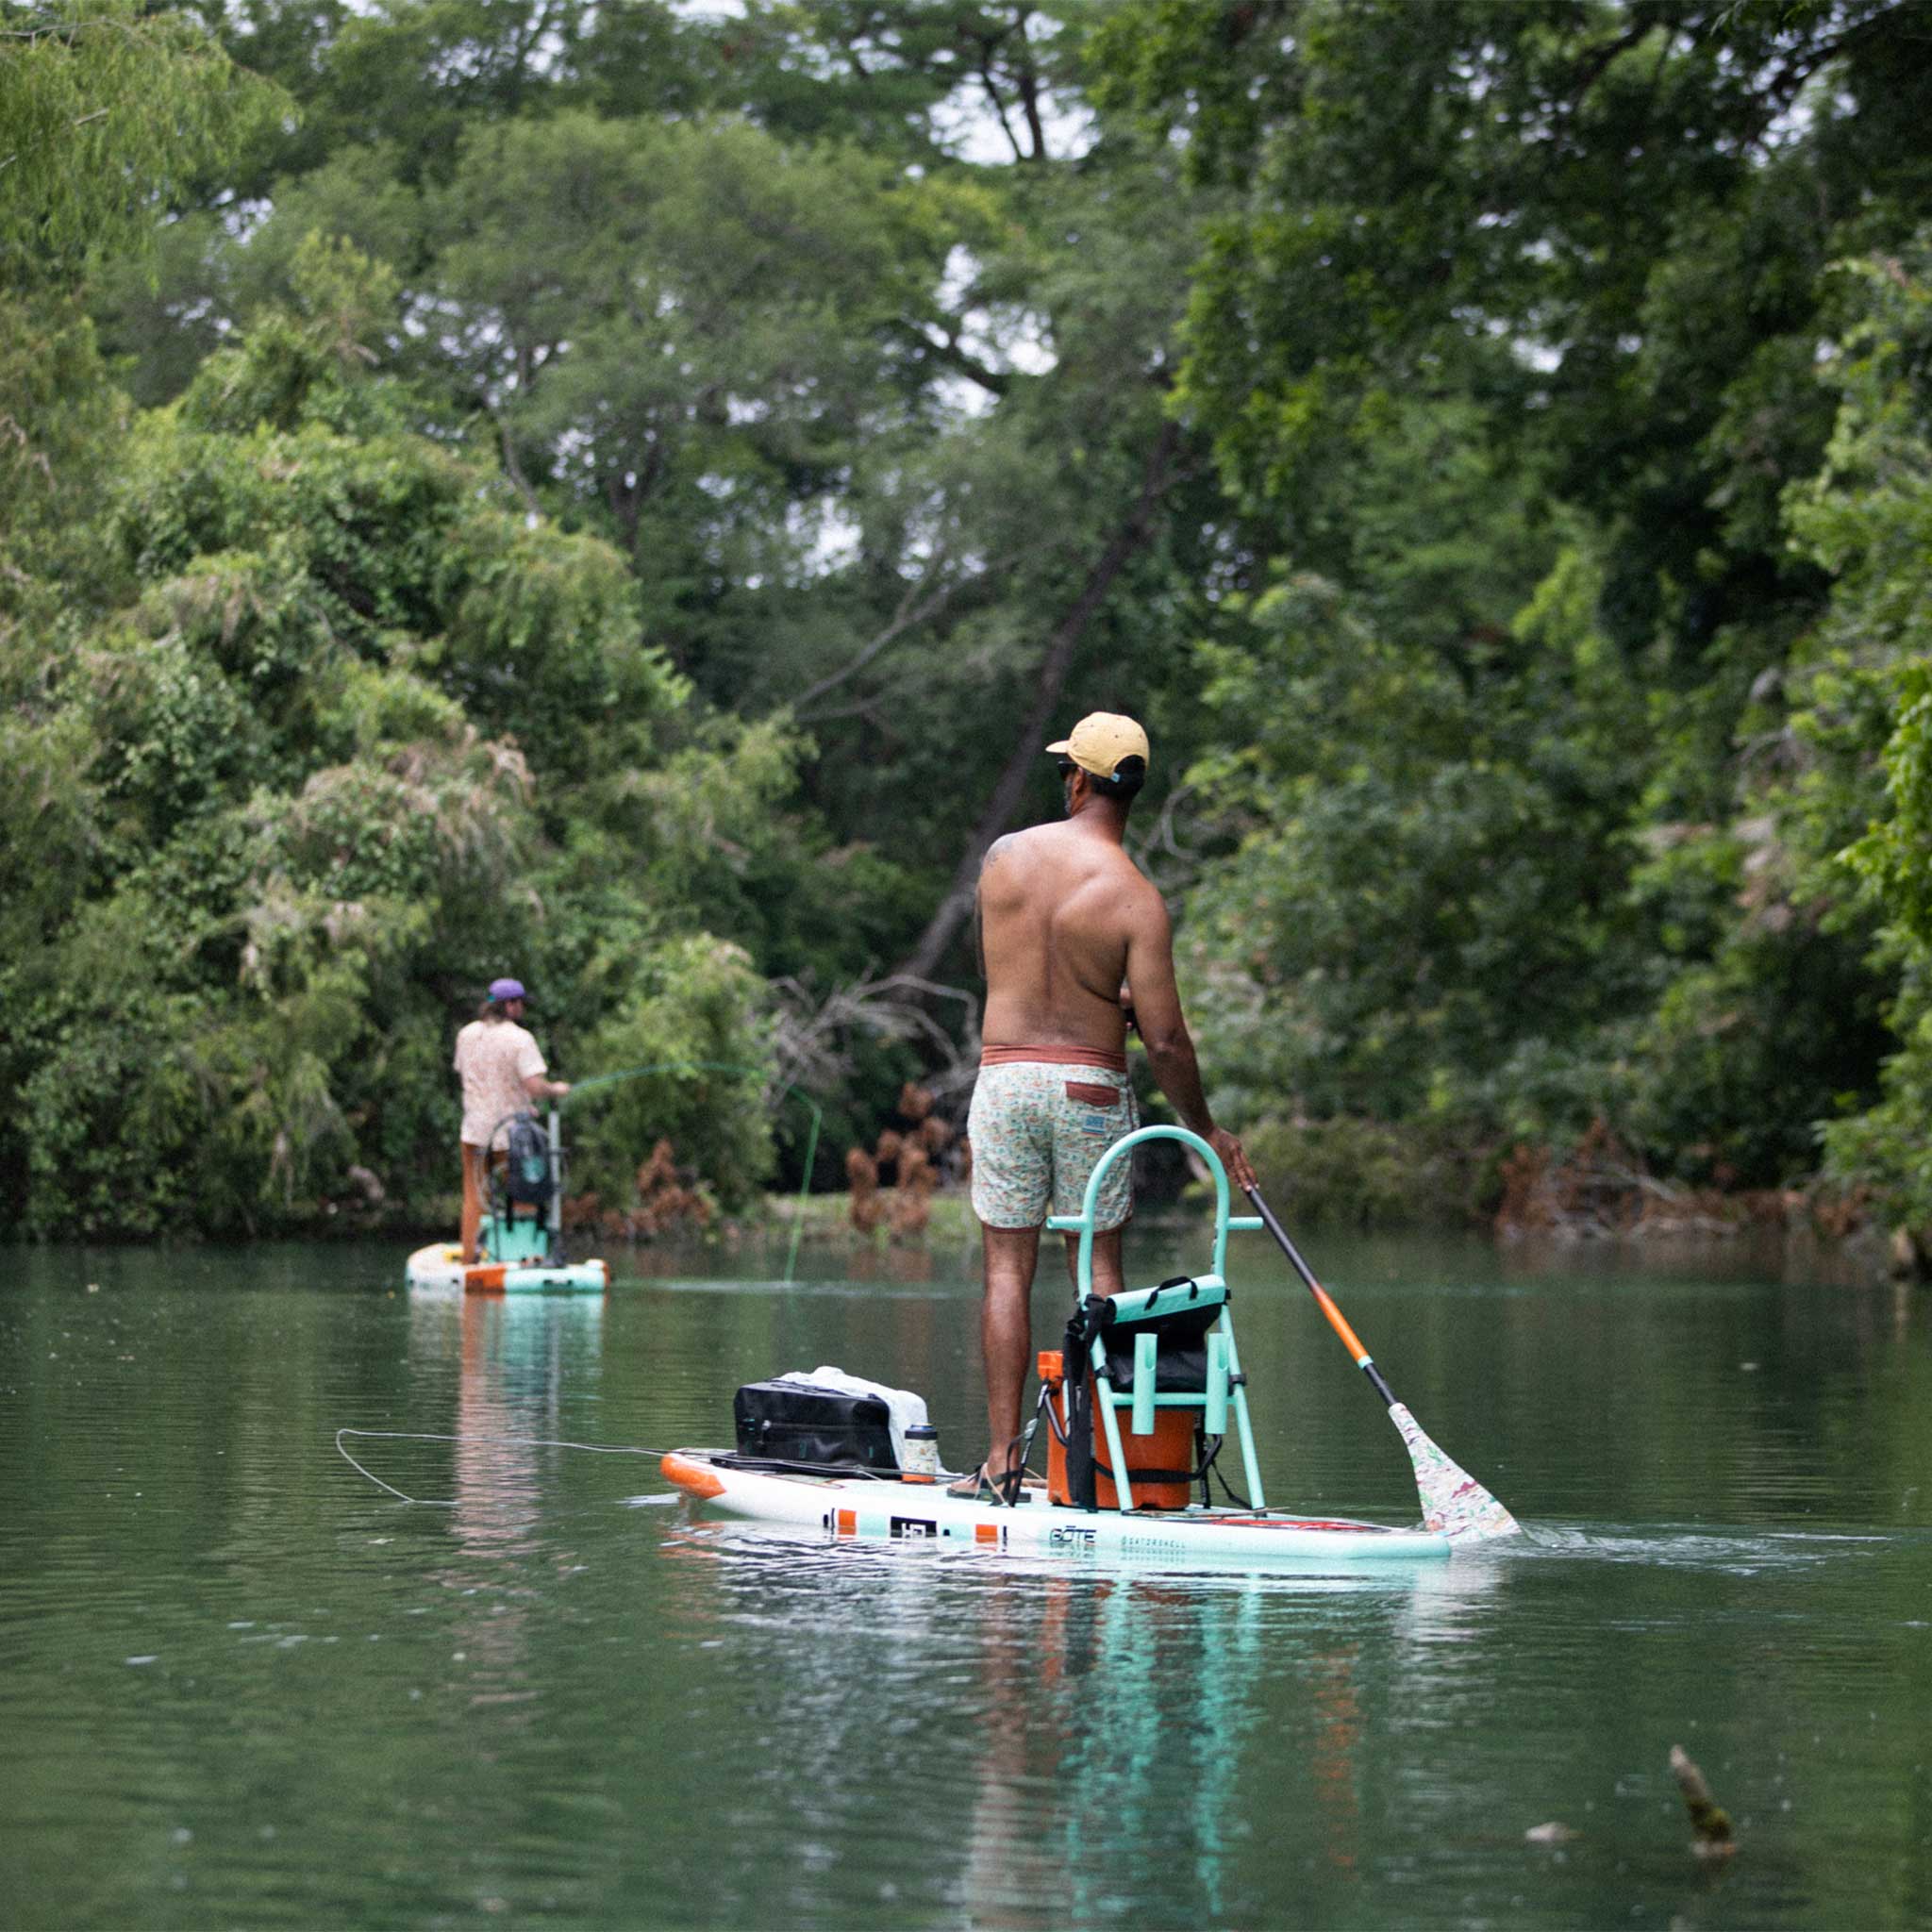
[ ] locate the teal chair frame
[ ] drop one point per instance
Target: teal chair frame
(526, 1241)
(1227, 1388)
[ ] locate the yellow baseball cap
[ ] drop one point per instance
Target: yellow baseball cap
(1100, 741)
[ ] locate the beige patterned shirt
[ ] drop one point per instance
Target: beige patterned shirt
(495, 1057)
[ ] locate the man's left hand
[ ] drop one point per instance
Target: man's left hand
(1234, 1157)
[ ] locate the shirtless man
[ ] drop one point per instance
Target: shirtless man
(1068, 926)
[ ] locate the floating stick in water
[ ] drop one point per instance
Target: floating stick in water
(1709, 1819)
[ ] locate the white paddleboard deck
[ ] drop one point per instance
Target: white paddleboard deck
(841, 1507)
(440, 1266)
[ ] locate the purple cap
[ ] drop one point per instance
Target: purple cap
(501, 990)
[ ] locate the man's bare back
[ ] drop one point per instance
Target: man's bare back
(1058, 905)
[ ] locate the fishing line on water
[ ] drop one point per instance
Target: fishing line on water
(491, 1441)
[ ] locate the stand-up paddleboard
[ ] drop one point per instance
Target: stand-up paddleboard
(440, 1266)
(1140, 1401)
(854, 1506)
(520, 1244)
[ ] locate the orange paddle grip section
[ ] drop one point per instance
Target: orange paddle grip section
(1339, 1323)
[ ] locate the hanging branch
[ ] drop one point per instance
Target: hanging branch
(906, 616)
(810, 1028)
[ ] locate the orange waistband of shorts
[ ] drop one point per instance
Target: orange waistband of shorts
(1054, 1057)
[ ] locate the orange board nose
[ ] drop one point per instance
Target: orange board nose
(691, 1475)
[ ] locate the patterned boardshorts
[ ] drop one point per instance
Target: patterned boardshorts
(1037, 1131)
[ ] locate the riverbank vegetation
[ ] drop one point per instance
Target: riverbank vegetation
(623, 495)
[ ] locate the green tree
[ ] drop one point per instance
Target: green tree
(1420, 918)
(320, 772)
(1603, 234)
(1865, 795)
(110, 111)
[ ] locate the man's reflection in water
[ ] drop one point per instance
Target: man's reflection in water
(510, 1385)
(1054, 1746)
(495, 1475)
(1112, 1704)
(1121, 1714)
(1332, 1760)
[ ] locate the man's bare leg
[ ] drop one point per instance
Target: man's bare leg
(472, 1201)
(1009, 1256)
(1108, 1279)
(1006, 1334)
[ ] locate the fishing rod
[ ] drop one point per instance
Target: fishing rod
(791, 1090)
(1454, 1502)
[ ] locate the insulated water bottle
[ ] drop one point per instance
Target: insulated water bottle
(922, 1464)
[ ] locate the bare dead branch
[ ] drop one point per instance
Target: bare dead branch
(909, 615)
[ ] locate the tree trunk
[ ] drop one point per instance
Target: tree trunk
(952, 910)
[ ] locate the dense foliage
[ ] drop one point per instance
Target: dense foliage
(622, 494)
(1568, 411)
(346, 730)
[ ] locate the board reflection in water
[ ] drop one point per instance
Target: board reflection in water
(1053, 1738)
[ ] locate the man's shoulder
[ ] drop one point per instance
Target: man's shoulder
(1135, 898)
(1011, 844)
(1012, 863)
(1114, 867)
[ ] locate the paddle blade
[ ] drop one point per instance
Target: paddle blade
(1454, 1504)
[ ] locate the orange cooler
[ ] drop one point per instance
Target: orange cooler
(1169, 1449)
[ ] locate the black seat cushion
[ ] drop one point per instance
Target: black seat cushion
(1180, 1362)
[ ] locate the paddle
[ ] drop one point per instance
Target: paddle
(1454, 1502)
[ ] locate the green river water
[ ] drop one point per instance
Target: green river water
(241, 1686)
